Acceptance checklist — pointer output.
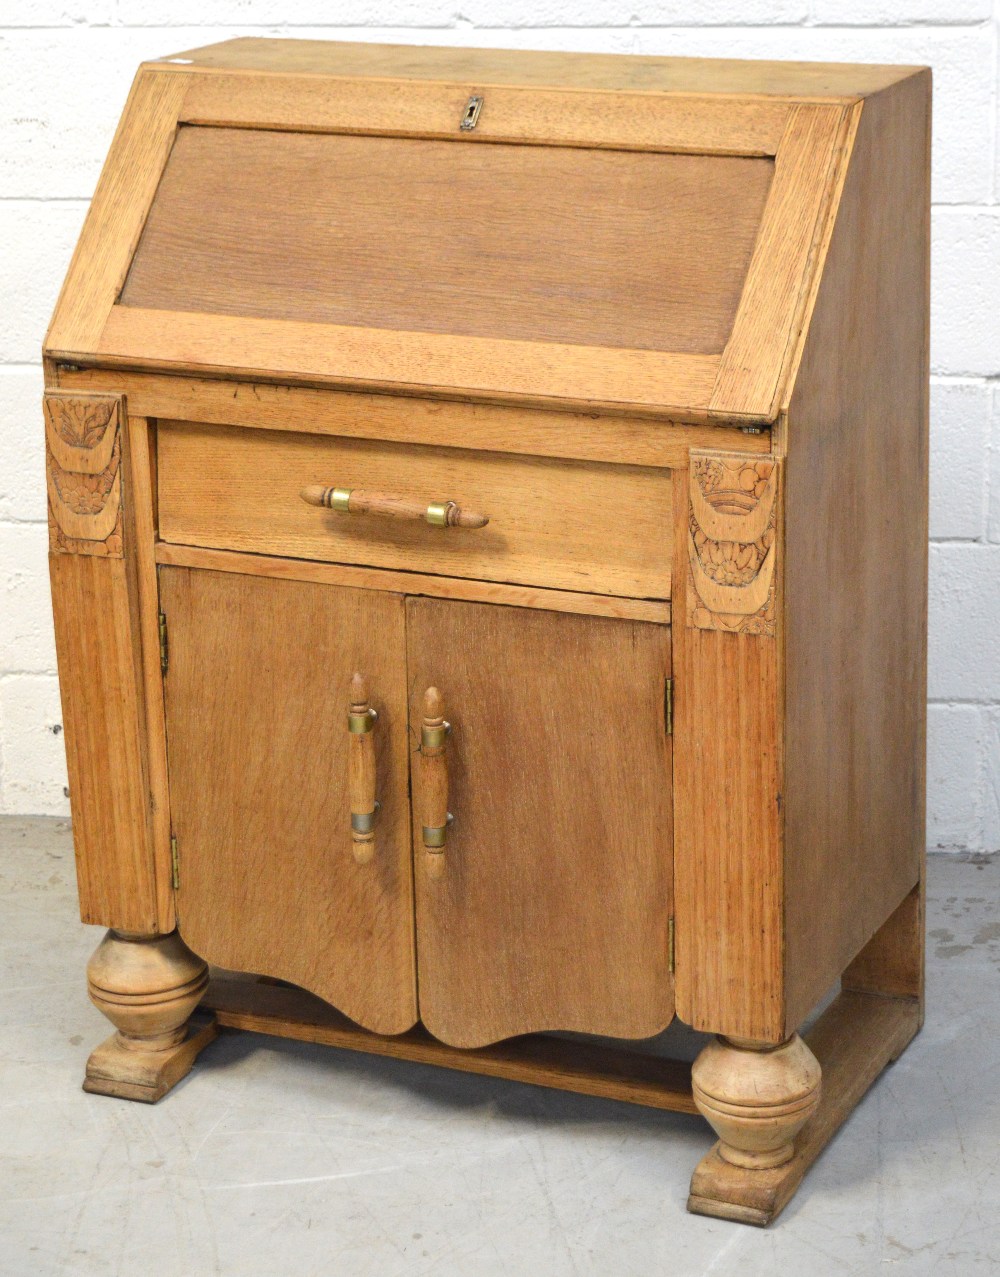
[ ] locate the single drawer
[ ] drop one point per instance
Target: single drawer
(569, 525)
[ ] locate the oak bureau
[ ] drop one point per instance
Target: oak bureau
(488, 503)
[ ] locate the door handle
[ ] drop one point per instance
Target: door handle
(361, 771)
(435, 817)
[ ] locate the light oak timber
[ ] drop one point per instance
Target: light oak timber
(672, 383)
(142, 473)
(892, 962)
(543, 710)
(433, 762)
(414, 583)
(96, 628)
(492, 370)
(853, 1041)
(532, 432)
(756, 1098)
(540, 116)
(551, 523)
(388, 505)
(149, 989)
(146, 1076)
(852, 538)
(594, 441)
(806, 300)
(117, 212)
(83, 472)
(268, 879)
(614, 73)
(96, 613)
(732, 543)
(456, 240)
(727, 801)
(754, 366)
(81, 437)
(582, 1067)
(362, 769)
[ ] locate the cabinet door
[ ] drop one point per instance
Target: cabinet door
(257, 693)
(549, 906)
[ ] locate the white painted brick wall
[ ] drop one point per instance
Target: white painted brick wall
(65, 68)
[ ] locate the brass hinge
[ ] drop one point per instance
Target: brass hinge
(668, 706)
(175, 865)
(163, 643)
(670, 944)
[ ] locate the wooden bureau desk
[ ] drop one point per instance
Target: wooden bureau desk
(488, 507)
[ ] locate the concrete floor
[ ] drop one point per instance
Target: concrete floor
(279, 1158)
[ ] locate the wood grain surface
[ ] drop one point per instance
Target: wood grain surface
(117, 212)
(660, 251)
(491, 370)
(552, 523)
(428, 586)
(553, 906)
(854, 1039)
(362, 770)
(268, 883)
(892, 962)
(424, 235)
(856, 569)
(727, 842)
(83, 472)
(540, 115)
(431, 813)
(588, 1068)
(754, 368)
(95, 611)
(409, 419)
(712, 76)
(142, 523)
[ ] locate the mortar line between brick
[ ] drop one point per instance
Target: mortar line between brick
(808, 23)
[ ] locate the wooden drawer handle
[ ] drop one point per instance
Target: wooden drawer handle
(442, 514)
(361, 771)
(435, 817)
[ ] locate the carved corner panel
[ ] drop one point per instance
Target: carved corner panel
(83, 449)
(732, 543)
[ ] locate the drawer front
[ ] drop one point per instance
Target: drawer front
(566, 525)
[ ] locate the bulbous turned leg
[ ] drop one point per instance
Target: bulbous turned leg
(757, 1098)
(148, 987)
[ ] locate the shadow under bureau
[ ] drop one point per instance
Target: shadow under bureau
(488, 500)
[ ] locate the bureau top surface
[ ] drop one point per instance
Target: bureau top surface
(576, 231)
(539, 69)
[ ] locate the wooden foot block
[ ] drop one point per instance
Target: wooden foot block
(117, 1070)
(854, 1039)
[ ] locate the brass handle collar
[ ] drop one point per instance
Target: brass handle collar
(360, 724)
(363, 822)
(435, 836)
(433, 736)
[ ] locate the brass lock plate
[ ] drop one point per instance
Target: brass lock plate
(470, 116)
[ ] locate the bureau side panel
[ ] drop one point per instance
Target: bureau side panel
(727, 746)
(95, 609)
(856, 563)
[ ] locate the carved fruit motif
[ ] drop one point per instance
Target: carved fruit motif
(731, 550)
(83, 468)
(78, 421)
